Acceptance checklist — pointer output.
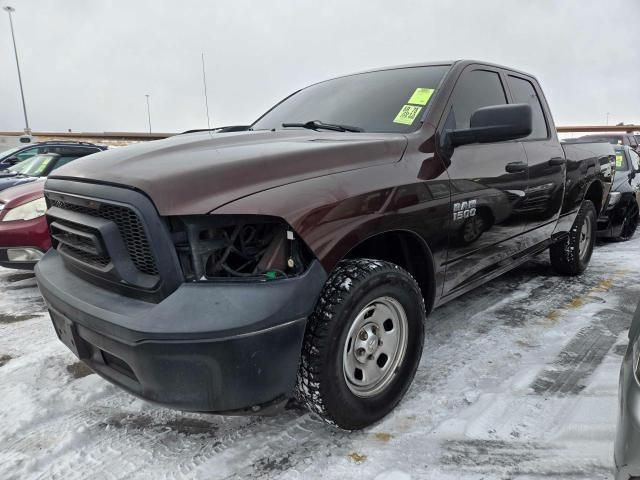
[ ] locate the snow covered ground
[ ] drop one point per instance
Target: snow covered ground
(518, 380)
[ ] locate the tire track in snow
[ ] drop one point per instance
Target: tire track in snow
(119, 442)
(569, 373)
(508, 459)
(112, 443)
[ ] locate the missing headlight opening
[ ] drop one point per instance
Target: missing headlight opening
(242, 247)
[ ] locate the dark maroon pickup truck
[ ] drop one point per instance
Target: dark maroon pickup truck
(228, 272)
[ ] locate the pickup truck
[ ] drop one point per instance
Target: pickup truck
(230, 272)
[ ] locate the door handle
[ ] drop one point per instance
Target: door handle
(516, 167)
(557, 161)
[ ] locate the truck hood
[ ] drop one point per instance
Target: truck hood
(197, 173)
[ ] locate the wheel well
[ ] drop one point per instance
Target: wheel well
(407, 250)
(594, 193)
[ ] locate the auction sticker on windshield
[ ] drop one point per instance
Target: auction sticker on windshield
(407, 114)
(618, 160)
(421, 96)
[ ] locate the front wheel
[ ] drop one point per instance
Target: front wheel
(363, 343)
(571, 255)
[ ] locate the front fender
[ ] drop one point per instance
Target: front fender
(335, 213)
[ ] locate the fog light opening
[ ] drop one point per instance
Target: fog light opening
(24, 254)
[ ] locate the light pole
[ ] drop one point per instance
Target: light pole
(608, 118)
(148, 112)
(10, 10)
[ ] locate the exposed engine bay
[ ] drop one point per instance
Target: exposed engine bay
(237, 247)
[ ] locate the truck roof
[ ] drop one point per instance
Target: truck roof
(460, 62)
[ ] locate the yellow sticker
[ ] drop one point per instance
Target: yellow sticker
(43, 165)
(407, 114)
(618, 159)
(421, 96)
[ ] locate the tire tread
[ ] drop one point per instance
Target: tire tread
(347, 275)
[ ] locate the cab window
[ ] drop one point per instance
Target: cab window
(476, 89)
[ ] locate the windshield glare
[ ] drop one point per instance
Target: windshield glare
(384, 101)
(34, 167)
(7, 153)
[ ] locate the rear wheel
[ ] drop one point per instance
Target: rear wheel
(571, 255)
(630, 223)
(472, 229)
(363, 343)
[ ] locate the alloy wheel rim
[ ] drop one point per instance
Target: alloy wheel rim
(473, 229)
(585, 239)
(375, 346)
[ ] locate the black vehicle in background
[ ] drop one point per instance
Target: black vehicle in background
(613, 138)
(18, 154)
(39, 166)
(619, 219)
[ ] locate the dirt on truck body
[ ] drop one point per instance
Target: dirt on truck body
(228, 272)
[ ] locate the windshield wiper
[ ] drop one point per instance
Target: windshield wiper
(317, 125)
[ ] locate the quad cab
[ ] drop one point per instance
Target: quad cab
(226, 273)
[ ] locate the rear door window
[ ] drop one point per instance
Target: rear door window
(523, 91)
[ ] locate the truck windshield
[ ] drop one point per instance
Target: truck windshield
(390, 101)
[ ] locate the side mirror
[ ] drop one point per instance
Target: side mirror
(494, 124)
(12, 160)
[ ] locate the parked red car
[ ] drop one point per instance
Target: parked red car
(24, 235)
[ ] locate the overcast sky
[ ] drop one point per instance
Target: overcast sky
(87, 65)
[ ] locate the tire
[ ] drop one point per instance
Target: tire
(629, 224)
(568, 257)
(371, 296)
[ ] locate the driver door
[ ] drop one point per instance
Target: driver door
(488, 183)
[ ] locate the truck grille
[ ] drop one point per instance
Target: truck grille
(130, 228)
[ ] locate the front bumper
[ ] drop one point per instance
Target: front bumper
(627, 443)
(210, 347)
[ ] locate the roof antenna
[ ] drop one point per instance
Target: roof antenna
(206, 99)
